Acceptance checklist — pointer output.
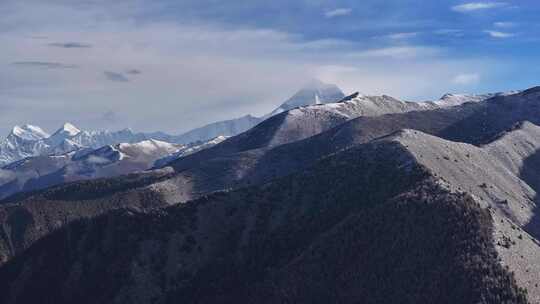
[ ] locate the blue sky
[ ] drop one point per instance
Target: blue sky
(174, 65)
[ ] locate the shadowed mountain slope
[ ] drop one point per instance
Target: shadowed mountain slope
(223, 169)
(337, 232)
(304, 122)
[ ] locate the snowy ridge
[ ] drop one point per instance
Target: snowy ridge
(187, 150)
(29, 141)
(370, 105)
(29, 132)
(43, 171)
(315, 92)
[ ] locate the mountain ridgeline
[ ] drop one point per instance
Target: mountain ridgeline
(367, 199)
(33, 159)
(283, 242)
(315, 92)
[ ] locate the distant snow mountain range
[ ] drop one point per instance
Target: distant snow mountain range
(29, 140)
(32, 159)
(38, 172)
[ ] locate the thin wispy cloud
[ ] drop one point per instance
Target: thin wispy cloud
(109, 117)
(504, 24)
(338, 12)
(70, 45)
(499, 35)
(466, 79)
(398, 52)
(450, 32)
(45, 64)
(205, 63)
(402, 36)
(477, 6)
(114, 76)
(134, 72)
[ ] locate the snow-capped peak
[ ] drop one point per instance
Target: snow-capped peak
(314, 92)
(29, 132)
(68, 129)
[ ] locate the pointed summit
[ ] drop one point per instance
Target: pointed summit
(68, 129)
(28, 132)
(314, 92)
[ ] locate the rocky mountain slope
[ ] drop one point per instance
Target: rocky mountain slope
(250, 158)
(467, 170)
(230, 169)
(315, 92)
(303, 122)
(226, 128)
(29, 141)
(335, 232)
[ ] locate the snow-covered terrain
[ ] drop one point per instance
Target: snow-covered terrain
(188, 150)
(315, 92)
(28, 141)
(43, 171)
(464, 173)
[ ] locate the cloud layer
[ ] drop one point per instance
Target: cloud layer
(44, 64)
(175, 65)
(499, 34)
(71, 45)
(338, 12)
(478, 6)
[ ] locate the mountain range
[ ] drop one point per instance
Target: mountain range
(32, 159)
(369, 199)
(28, 140)
(314, 92)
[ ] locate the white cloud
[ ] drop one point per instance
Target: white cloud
(504, 24)
(401, 36)
(398, 52)
(499, 35)
(449, 32)
(476, 6)
(466, 79)
(338, 12)
(405, 79)
(185, 70)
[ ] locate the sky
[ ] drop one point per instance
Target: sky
(173, 65)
